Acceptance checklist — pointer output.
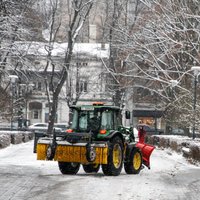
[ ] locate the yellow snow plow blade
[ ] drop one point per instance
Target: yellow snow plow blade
(73, 153)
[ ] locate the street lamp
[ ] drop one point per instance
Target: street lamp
(25, 91)
(13, 79)
(173, 84)
(196, 70)
(29, 88)
(155, 94)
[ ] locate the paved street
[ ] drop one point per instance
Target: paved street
(22, 177)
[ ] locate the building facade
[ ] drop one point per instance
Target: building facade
(85, 82)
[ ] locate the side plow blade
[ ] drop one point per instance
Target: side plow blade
(146, 150)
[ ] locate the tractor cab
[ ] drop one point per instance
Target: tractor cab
(96, 119)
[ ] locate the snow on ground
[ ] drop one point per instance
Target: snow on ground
(168, 178)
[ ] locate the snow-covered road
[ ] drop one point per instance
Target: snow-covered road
(22, 177)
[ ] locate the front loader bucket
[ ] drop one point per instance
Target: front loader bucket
(146, 150)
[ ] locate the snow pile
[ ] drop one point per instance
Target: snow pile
(5, 140)
(14, 137)
(187, 146)
(182, 139)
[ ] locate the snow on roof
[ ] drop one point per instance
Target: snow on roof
(59, 49)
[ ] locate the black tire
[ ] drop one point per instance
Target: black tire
(68, 167)
(134, 162)
(51, 150)
(115, 158)
(35, 144)
(91, 168)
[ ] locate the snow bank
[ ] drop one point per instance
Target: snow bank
(14, 137)
(187, 146)
(5, 140)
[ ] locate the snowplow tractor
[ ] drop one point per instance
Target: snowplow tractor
(96, 138)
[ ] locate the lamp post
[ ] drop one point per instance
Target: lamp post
(13, 79)
(173, 84)
(29, 88)
(153, 93)
(25, 91)
(196, 70)
(156, 110)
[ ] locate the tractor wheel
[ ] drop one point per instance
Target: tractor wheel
(51, 150)
(134, 162)
(115, 158)
(68, 167)
(91, 168)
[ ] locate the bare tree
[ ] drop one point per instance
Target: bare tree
(162, 45)
(119, 20)
(80, 11)
(13, 16)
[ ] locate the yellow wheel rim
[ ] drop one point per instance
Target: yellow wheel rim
(117, 156)
(95, 165)
(137, 161)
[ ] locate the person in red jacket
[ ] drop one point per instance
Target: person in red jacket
(141, 134)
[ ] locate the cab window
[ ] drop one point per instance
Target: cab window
(107, 120)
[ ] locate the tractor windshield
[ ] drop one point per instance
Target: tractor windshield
(94, 120)
(84, 120)
(107, 120)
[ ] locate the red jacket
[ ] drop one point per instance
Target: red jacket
(141, 135)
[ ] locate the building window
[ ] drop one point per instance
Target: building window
(34, 85)
(83, 86)
(39, 86)
(78, 64)
(35, 114)
(46, 117)
(85, 64)
(35, 110)
(81, 64)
